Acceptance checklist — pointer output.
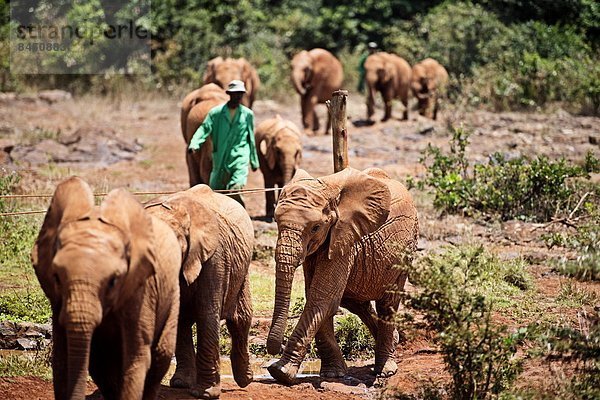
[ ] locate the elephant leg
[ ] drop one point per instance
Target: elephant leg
(208, 379)
(322, 301)
(315, 124)
(269, 197)
(239, 329)
(384, 342)
(193, 169)
(185, 373)
(404, 99)
(332, 360)
(435, 107)
(105, 366)
(59, 358)
(162, 354)
(328, 127)
(364, 311)
(306, 111)
(387, 100)
(370, 102)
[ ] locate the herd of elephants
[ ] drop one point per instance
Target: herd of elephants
(127, 281)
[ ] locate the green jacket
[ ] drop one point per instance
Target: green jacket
(233, 145)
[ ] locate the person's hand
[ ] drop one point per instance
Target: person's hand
(254, 169)
(190, 150)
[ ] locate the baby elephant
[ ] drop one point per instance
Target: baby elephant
(280, 153)
(428, 83)
(111, 275)
(216, 238)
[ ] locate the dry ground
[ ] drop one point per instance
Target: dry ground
(394, 146)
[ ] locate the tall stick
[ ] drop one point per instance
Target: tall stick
(337, 112)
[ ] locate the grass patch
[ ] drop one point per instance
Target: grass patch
(38, 363)
(25, 306)
(354, 338)
(262, 287)
(573, 295)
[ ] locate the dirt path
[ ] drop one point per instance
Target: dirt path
(395, 146)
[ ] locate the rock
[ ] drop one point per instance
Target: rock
(54, 96)
(7, 97)
(24, 335)
(341, 388)
(305, 386)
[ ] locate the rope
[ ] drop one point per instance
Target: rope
(226, 192)
(229, 192)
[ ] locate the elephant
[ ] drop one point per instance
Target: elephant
(316, 74)
(216, 238)
(390, 75)
(350, 230)
(194, 108)
(111, 275)
(428, 82)
(279, 155)
(222, 71)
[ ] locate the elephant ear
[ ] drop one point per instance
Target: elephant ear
(121, 210)
(203, 238)
(72, 200)
(249, 76)
(209, 74)
(362, 206)
(267, 150)
(300, 175)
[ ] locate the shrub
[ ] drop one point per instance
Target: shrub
(25, 305)
(537, 189)
(27, 364)
(353, 337)
(479, 355)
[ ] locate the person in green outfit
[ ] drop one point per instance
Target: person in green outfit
(231, 128)
(372, 48)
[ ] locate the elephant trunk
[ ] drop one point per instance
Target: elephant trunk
(81, 314)
(297, 80)
(288, 256)
(288, 169)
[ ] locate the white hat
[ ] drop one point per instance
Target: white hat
(236, 86)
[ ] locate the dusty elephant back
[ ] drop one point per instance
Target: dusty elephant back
(222, 71)
(270, 127)
(430, 69)
(328, 73)
(206, 92)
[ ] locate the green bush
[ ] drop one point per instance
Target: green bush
(353, 337)
(536, 189)
(25, 305)
(454, 299)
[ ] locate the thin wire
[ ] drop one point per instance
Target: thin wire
(229, 193)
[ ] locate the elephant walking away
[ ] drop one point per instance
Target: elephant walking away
(350, 230)
(390, 75)
(111, 273)
(194, 108)
(428, 84)
(216, 239)
(316, 74)
(279, 154)
(221, 71)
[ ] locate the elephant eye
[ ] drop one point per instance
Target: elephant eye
(315, 228)
(112, 282)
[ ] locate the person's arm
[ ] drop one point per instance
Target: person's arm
(201, 133)
(253, 156)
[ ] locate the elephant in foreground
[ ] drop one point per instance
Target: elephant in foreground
(194, 108)
(111, 273)
(350, 230)
(279, 155)
(428, 83)
(216, 238)
(316, 74)
(390, 75)
(221, 71)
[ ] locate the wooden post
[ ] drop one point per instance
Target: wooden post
(337, 111)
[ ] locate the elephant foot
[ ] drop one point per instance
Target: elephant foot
(178, 382)
(388, 369)
(384, 119)
(283, 371)
(212, 392)
(242, 374)
(334, 370)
